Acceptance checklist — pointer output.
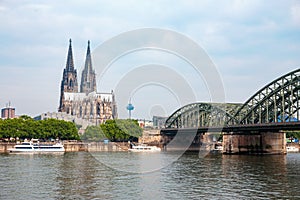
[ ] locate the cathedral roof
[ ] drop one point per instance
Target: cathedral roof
(83, 96)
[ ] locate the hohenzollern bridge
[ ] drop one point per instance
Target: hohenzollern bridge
(257, 126)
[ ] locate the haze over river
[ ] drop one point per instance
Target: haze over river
(123, 175)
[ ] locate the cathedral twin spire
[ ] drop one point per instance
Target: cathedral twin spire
(70, 62)
(69, 80)
(88, 78)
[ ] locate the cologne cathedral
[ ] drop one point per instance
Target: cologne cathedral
(85, 102)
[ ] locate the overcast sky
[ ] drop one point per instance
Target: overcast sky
(250, 42)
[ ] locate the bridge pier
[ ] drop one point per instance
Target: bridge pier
(189, 141)
(246, 142)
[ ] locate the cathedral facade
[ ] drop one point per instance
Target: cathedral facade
(84, 102)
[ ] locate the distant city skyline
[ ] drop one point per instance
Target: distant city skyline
(250, 42)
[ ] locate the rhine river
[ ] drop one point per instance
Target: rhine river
(123, 175)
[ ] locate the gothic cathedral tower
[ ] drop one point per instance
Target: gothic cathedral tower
(88, 78)
(69, 79)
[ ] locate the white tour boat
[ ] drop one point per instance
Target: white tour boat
(290, 149)
(144, 148)
(30, 147)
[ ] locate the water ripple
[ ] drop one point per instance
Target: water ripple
(80, 176)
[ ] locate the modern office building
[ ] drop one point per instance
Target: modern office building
(8, 112)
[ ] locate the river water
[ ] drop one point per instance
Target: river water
(123, 175)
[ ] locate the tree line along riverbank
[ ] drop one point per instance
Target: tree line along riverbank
(25, 127)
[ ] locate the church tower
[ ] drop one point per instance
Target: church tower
(69, 79)
(88, 78)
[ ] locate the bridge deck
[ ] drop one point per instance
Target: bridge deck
(282, 126)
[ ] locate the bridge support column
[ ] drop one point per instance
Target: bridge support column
(254, 143)
(209, 141)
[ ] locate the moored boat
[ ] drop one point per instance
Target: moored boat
(290, 149)
(30, 147)
(144, 148)
(218, 148)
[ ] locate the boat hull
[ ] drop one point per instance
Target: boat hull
(135, 150)
(35, 151)
(292, 150)
(29, 147)
(143, 148)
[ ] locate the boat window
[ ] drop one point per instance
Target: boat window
(50, 147)
(23, 148)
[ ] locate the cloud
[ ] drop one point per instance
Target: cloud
(295, 14)
(254, 41)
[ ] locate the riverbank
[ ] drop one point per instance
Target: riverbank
(74, 146)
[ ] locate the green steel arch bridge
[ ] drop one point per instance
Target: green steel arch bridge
(276, 103)
(272, 109)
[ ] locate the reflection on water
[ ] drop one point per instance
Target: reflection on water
(79, 175)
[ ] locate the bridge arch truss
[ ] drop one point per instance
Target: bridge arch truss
(201, 115)
(276, 102)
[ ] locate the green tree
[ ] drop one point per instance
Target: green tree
(26, 127)
(294, 134)
(53, 128)
(121, 129)
(93, 133)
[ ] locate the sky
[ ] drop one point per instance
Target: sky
(251, 43)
